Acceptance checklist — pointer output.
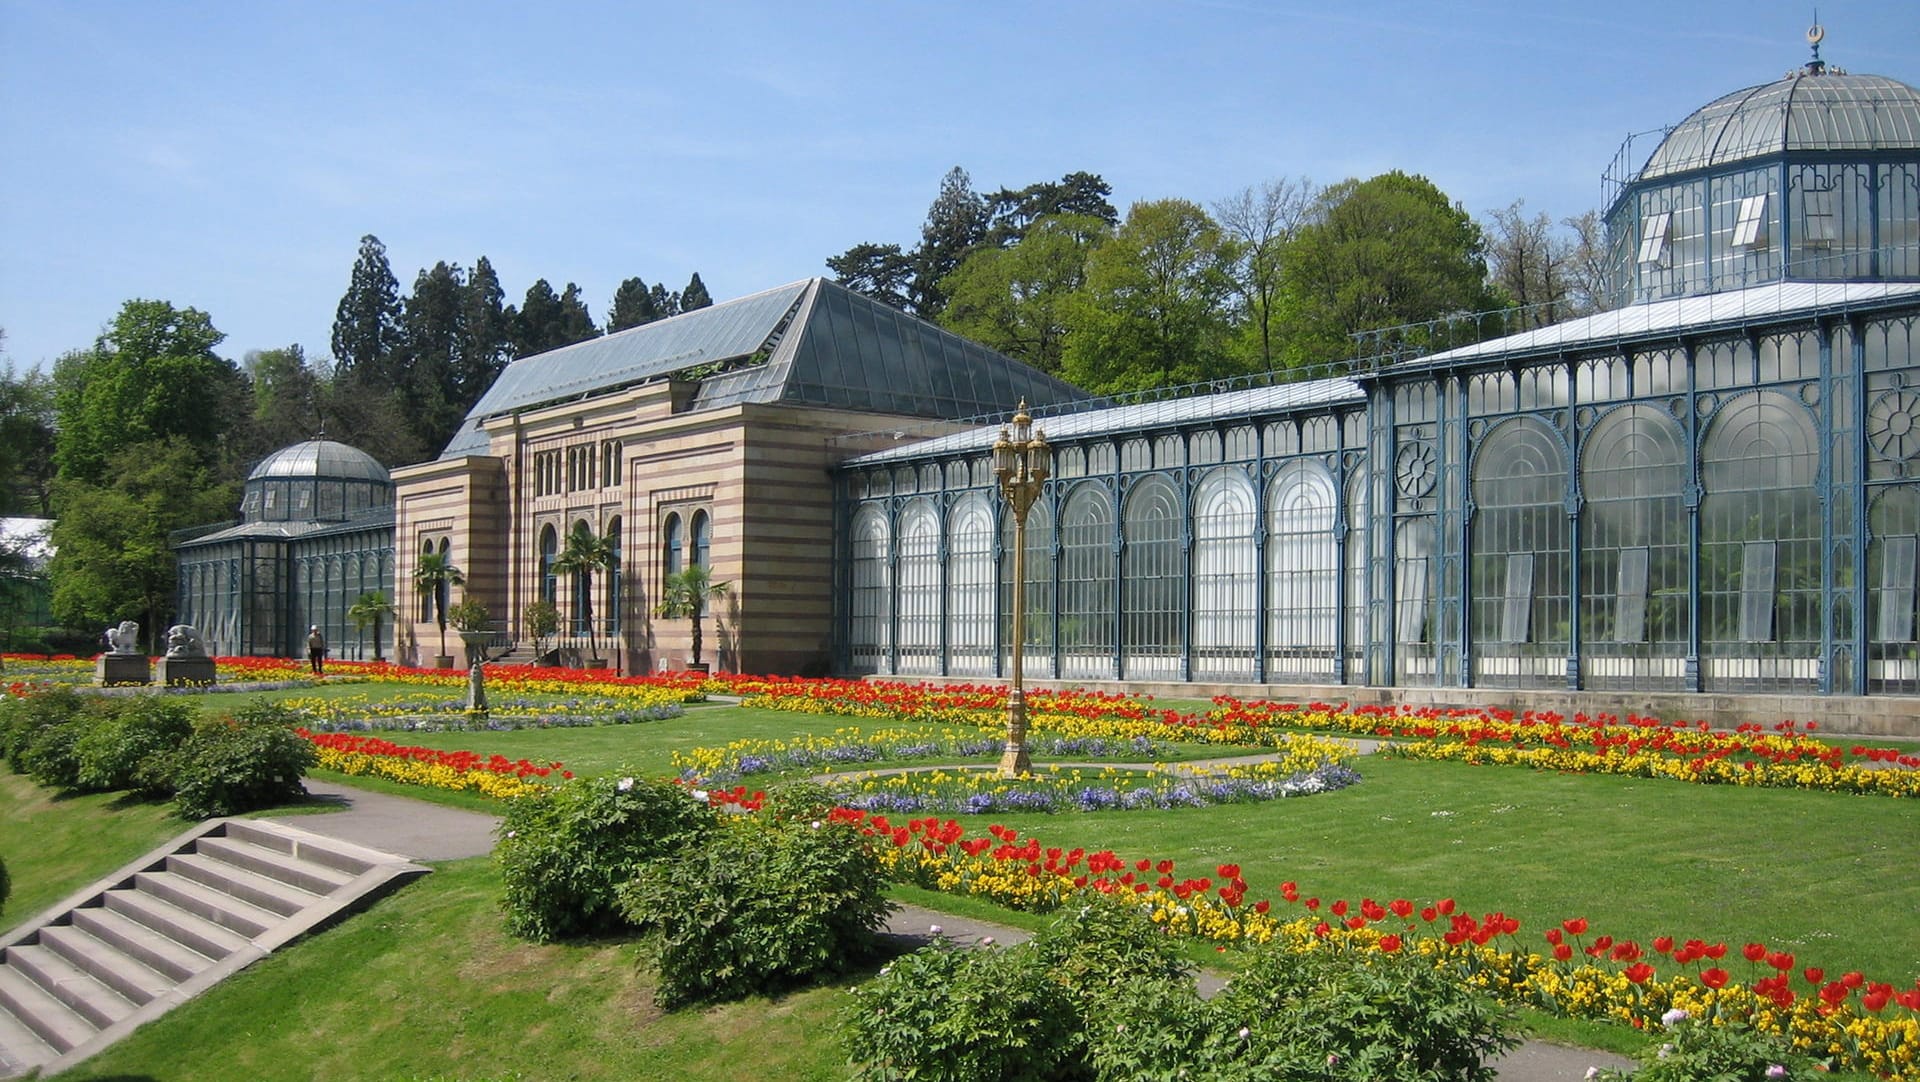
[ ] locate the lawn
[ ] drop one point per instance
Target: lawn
(427, 986)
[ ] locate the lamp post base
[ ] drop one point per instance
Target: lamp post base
(1014, 761)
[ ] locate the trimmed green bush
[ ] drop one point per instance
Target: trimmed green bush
(126, 742)
(563, 855)
(758, 906)
(1732, 1051)
(251, 760)
(21, 721)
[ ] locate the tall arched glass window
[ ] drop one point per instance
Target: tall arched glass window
(1086, 584)
(615, 584)
(582, 594)
(871, 604)
(1633, 571)
(1517, 573)
(1303, 568)
(1893, 602)
(700, 531)
(1154, 578)
(442, 597)
(970, 587)
(1760, 551)
(919, 604)
(426, 599)
(1225, 587)
(549, 550)
(672, 544)
(1038, 660)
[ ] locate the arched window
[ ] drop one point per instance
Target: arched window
(919, 588)
(673, 543)
(549, 551)
(1154, 581)
(1225, 583)
(1086, 584)
(871, 608)
(701, 532)
(1303, 564)
(615, 584)
(1517, 573)
(426, 599)
(582, 592)
(1633, 572)
(1038, 659)
(1760, 552)
(970, 587)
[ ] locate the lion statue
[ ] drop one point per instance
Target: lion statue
(183, 640)
(124, 639)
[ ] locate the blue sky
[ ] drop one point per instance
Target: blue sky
(229, 156)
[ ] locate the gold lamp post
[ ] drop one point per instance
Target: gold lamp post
(1021, 461)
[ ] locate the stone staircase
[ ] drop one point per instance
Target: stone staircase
(167, 927)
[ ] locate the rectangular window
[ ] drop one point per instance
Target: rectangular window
(1897, 588)
(1750, 230)
(1630, 603)
(1653, 237)
(1818, 226)
(1517, 612)
(1757, 564)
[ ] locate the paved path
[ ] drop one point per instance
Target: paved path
(422, 830)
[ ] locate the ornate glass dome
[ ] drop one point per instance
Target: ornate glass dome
(315, 481)
(1815, 109)
(1813, 177)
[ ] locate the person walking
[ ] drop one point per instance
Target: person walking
(316, 650)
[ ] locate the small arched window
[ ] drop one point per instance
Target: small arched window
(673, 544)
(614, 583)
(549, 550)
(702, 540)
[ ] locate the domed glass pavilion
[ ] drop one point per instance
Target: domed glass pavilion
(315, 532)
(1808, 178)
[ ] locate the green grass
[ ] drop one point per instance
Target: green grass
(426, 985)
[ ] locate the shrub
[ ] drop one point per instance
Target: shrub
(21, 721)
(965, 1016)
(125, 743)
(1372, 1015)
(1729, 1050)
(757, 906)
(563, 855)
(253, 759)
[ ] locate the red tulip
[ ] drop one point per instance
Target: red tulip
(1714, 978)
(1389, 943)
(1575, 925)
(1813, 974)
(1754, 951)
(1639, 973)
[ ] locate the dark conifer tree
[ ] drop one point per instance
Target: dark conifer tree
(366, 325)
(576, 323)
(632, 306)
(695, 295)
(486, 340)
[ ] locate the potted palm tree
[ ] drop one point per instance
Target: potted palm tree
(685, 597)
(434, 577)
(585, 553)
(368, 610)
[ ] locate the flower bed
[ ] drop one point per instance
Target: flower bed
(459, 771)
(851, 746)
(1858, 1023)
(359, 713)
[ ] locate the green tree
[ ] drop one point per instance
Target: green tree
(286, 397)
(1380, 253)
(665, 301)
(576, 323)
(956, 224)
(1011, 213)
(1530, 264)
(112, 560)
(433, 326)
(880, 271)
(632, 306)
(1016, 299)
(152, 376)
(366, 324)
(584, 554)
(26, 443)
(368, 610)
(1262, 222)
(434, 578)
(1154, 310)
(486, 340)
(695, 296)
(536, 324)
(685, 597)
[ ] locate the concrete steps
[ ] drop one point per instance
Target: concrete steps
(165, 928)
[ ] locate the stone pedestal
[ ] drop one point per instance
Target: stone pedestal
(186, 671)
(112, 669)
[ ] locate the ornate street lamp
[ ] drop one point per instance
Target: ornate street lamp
(1021, 462)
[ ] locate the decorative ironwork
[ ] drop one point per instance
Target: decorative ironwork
(1415, 469)
(1893, 425)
